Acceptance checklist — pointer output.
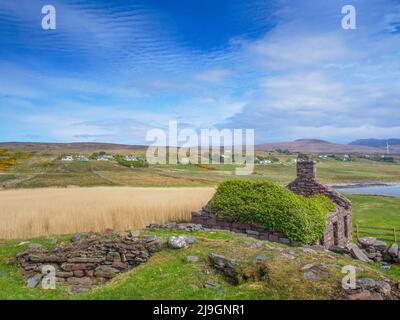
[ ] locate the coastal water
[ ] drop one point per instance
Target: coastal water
(378, 190)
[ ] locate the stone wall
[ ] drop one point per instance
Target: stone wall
(208, 220)
(85, 262)
(339, 225)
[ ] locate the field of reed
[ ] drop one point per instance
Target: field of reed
(28, 213)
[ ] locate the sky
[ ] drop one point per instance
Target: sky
(113, 70)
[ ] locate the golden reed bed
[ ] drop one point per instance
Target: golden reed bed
(37, 212)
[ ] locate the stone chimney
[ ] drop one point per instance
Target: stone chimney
(306, 170)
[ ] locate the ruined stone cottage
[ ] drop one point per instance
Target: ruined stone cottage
(339, 222)
(339, 225)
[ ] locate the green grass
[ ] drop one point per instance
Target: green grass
(42, 170)
(377, 211)
(167, 275)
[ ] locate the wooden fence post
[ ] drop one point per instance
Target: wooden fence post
(358, 235)
(394, 234)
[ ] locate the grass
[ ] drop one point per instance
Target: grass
(49, 211)
(377, 211)
(167, 275)
(42, 170)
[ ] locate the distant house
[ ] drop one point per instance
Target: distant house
(104, 158)
(67, 158)
(130, 158)
(265, 162)
(81, 158)
(322, 156)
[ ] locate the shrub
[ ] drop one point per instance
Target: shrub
(274, 207)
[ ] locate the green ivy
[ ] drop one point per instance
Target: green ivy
(274, 207)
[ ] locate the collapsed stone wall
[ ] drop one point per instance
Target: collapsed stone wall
(209, 220)
(83, 263)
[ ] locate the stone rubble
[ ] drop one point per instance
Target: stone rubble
(85, 262)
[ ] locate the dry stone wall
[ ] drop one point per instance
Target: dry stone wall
(83, 263)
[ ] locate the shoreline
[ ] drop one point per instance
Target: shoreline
(364, 184)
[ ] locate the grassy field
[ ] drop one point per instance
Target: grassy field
(377, 211)
(167, 275)
(43, 170)
(49, 211)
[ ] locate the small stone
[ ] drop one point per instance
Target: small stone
(386, 266)
(307, 266)
(211, 284)
(308, 250)
(34, 281)
(106, 271)
(367, 241)
(260, 257)
(383, 287)
(134, 233)
(393, 250)
(35, 246)
(255, 245)
(76, 237)
(366, 283)
(217, 260)
(364, 295)
(310, 275)
(252, 232)
(189, 239)
(339, 250)
(192, 258)
(151, 239)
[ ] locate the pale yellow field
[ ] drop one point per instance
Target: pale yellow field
(35, 212)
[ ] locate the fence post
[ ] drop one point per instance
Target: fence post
(394, 234)
(358, 235)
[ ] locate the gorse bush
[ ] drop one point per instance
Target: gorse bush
(274, 207)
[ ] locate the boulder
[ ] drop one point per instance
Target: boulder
(177, 242)
(357, 253)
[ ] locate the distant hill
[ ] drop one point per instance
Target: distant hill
(44, 147)
(377, 143)
(317, 146)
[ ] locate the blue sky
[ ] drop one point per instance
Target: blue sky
(112, 70)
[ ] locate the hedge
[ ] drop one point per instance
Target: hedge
(274, 207)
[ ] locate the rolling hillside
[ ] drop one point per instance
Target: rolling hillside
(318, 146)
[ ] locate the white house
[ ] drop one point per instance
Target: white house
(104, 158)
(67, 158)
(265, 161)
(130, 158)
(81, 158)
